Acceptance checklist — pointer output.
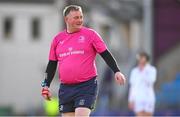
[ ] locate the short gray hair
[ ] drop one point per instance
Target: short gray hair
(70, 8)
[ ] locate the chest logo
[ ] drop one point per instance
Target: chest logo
(81, 39)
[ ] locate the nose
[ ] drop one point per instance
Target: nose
(80, 19)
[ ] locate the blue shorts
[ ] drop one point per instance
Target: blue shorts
(77, 95)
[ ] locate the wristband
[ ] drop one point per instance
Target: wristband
(44, 83)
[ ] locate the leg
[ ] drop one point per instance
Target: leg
(150, 109)
(82, 111)
(144, 114)
(86, 99)
(69, 114)
(143, 109)
(66, 104)
(148, 114)
(140, 114)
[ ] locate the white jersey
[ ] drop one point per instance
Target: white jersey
(142, 84)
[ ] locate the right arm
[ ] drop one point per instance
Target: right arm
(52, 64)
(131, 95)
(50, 71)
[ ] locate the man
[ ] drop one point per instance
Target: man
(74, 50)
(141, 95)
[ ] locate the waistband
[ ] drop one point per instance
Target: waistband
(92, 79)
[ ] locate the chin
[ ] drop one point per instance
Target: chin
(79, 27)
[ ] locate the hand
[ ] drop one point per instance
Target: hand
(131, 105)
(120, 78)
(46, 93)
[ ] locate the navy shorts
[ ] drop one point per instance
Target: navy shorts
(77, 95)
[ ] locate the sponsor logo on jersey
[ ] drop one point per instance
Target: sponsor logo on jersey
(71, 52)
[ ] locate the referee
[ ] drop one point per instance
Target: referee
(74, 51)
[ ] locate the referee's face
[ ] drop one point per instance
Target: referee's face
(142, 60)
(74, 20)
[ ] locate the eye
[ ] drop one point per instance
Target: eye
(76, 17)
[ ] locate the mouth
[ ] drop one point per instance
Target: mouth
(78, 24)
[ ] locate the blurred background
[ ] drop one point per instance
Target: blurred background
(27, 28)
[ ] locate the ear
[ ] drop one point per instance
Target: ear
(65, 19)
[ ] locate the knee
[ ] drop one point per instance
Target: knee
(82, 111)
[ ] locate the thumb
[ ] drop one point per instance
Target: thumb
(49, 96)
(45, 96)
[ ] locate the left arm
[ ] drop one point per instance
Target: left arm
(110, 61)
(100, 47)
(151, 77)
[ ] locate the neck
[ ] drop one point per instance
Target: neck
(141, 66)
(72, 30)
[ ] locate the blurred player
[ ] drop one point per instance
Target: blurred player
(142, 79)
(74, 50)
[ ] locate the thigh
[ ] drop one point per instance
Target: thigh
(66, 107)
(143, 114)
(87, 101)
(144, 106)
(140, 114)
(66, 103)
(68, 114)
(87, 94)
(149, 107)
(82, 111)
(139, 106)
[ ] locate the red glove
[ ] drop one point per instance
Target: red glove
(46, 93)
